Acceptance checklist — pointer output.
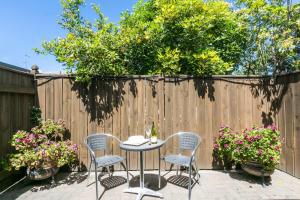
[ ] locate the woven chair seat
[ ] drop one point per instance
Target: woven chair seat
(178, 160)
(104, 161)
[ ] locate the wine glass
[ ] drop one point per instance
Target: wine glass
(148, 131)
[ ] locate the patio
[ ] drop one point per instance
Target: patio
(214, 184)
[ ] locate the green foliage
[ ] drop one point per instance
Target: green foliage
(40, 148)
(52, 129)
(158, 37)
(275, 35)
(261, 145)
(35, 116)
(194, 37)
(4, 164)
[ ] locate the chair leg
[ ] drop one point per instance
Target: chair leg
(125, 168)
(171, 167)
(177, 169)
(108, 170)
(88, 176)
(96, 179)
(197, 171)
(190, 181)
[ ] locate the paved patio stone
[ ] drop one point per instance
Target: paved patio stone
(212, 185)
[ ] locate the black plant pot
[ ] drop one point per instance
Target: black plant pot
(42, 173)
(256, 169)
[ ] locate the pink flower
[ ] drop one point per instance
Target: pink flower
(226, 146)
(259, 152)
(239, 142)
(216, 146)
(273, 127)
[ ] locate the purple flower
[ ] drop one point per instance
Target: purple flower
(75, 147)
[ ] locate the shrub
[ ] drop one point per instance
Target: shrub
(42, 146)
(261, 145)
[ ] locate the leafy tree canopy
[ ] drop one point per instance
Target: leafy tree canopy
(275, 36)
(173, 37)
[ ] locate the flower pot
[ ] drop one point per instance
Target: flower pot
(256, 169)
(42, 173)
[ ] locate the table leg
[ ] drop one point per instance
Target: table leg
(141, 169)
(159, 177)
(142, 191)
(127, 168)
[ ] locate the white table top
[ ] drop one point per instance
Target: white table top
(144, 147)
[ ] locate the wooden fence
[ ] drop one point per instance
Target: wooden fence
(17, 92)
(122, 106)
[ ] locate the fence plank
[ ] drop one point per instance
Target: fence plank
(58, 98)
(296, 117)
(289, 134)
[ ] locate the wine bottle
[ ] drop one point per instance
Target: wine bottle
(153, 134)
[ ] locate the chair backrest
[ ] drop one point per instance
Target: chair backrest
(188, 140)
(97, 142)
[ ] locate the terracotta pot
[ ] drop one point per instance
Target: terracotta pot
(256, 169)
(42, 173)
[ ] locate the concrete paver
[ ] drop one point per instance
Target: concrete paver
(212, 185)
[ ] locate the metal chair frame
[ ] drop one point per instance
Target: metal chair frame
(101, 145)
(185, 143)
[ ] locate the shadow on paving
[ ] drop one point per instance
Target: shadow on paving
(35, 186)
(240, 175)
(180, 180)
(150, 180)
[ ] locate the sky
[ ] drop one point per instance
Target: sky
(26, 23)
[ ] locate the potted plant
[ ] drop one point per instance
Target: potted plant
(260, 153)
(256, 149)
(225, 146)
(42, 150)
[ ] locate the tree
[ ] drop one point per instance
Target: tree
(182, 37)
(172, 37)
(159, 37)
(275, 35)
(88, 49)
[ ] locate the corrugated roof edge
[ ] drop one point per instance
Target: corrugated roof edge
(14, 68)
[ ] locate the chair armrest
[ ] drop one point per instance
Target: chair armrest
(193, 153)
(92, 153)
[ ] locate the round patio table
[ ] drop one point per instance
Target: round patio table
(142, 191)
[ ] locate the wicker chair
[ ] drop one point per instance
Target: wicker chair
(187, 141)
(98, 142)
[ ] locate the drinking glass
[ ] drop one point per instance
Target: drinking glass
(148, 131)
